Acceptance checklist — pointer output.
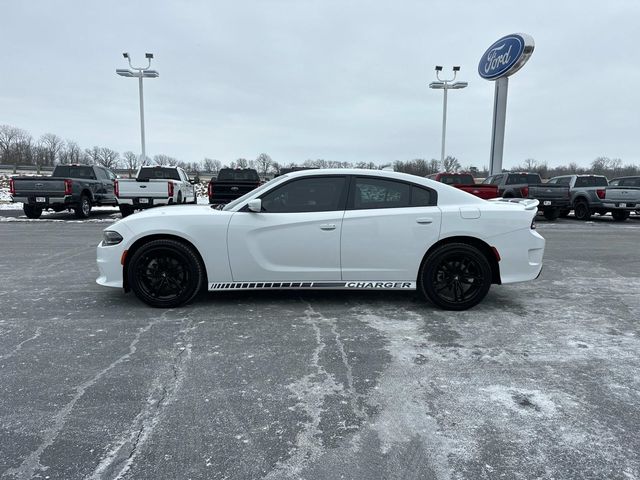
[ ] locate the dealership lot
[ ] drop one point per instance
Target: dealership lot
(541, 380)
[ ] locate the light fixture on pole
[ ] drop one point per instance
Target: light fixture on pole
(140, 73)
(446, 85)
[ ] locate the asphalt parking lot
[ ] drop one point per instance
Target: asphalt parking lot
(542, 380)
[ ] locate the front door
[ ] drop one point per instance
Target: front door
(297, 235)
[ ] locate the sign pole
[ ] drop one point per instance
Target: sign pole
(499, 122)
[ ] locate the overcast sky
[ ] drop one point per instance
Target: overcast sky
(334, 79)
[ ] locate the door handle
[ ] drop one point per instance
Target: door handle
(328, 226)
(424, 220)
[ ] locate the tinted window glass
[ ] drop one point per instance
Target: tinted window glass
(615, 183)
(563, 180)
(101, 174)
(159, 172)
(526, 178)
(457, 179)
(487, 181)
(630, 182)
(375, 193)
(232, 174)
(591, 182)
(315, 194)
(421, 197)
(73, 172)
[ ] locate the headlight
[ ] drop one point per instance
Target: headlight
(109, 237)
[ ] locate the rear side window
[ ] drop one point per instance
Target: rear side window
(591, 181)
(376, 193)
(520, 178)
(240, 175)
(314, 194)
(421, 197)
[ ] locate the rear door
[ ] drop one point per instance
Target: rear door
(387, 228)
(297, 235)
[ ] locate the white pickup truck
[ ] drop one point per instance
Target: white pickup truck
(622, 196)
(154, 186)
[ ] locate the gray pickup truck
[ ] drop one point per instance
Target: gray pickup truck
(70, 187)
(622, 196)
(587, 194)
(553, 199)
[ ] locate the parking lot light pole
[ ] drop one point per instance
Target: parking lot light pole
(140, 73)
(446, 85)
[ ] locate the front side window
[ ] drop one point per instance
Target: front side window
(313, 194)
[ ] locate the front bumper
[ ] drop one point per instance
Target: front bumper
(109, 264)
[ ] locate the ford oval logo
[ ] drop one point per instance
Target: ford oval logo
(506, 56)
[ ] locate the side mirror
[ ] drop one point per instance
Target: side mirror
(255, 205)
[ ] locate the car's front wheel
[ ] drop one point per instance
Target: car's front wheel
(455, 276)
(165, 273)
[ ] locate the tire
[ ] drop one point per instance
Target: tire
(83, 210)
(551, 213)
(32, 211)
(581, 210)
(165, 273)
(443, 271)
(125, 210)
(620, 215)
(564, 213)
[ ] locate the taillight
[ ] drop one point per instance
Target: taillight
(600, 192)
(210, 190)
(68, 187)
(524, 191)
(116, 188)
(170, 188)
(12, 187)
(533, 223)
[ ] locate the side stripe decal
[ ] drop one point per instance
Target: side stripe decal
(350, 285)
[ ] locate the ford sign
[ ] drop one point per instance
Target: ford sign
(506, 56)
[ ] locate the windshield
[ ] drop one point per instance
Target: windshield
(237, 201)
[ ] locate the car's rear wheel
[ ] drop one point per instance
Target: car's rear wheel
(165, 273)
(83, 209)
(581, 210)
(620, 215)
(32, 211)
(455, 276)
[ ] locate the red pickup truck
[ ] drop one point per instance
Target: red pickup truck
(465, 181)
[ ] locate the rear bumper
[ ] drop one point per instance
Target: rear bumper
(31, 200)
(521, 255)
(631, 206)
(151, 202)
(553, 203)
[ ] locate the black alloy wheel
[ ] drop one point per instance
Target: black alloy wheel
(581, 210)
(83, 210)
(165, 273)
(455, 276)
(32, 211)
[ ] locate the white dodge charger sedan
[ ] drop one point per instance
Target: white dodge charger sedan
(328, 229)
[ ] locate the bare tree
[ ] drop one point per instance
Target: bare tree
(263, 164)
(51, 145)
(9, 137)
(131, 161)
(163, 160)
(451, 164)
(242, 163)
(108, 158)
(93, 155)
(212, 166)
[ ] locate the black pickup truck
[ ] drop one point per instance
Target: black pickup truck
(70, 187)
(553, 198)
(232, 183)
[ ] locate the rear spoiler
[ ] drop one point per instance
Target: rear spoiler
(528, 203)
